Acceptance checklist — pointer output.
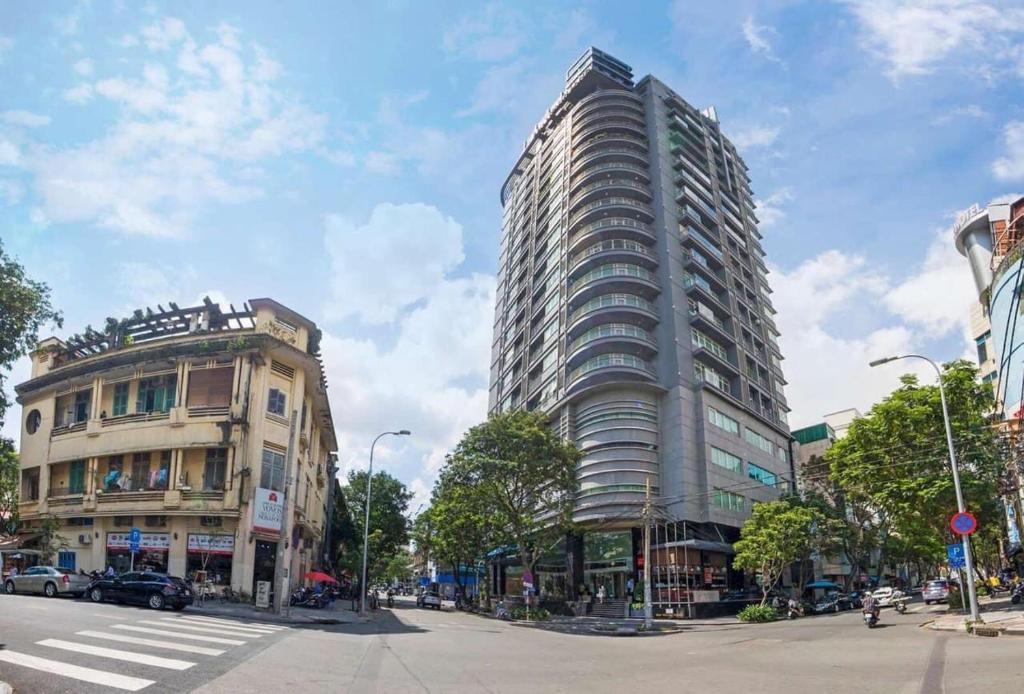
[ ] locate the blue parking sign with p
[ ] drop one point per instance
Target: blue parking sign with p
(134, 539)
(955, 553)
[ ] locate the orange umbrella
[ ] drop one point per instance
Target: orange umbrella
(320, 576)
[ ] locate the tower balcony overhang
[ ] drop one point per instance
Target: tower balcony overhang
(610, 228)
(715, 325)
(585, 261)
(615, 127)
(643, 315)
(612, 206)
(632, 155)
(613, 373)
(642, 347)
(634, 188)
(613, 169)
(584, 290)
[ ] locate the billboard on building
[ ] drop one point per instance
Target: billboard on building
(212, 544)
(268, 510)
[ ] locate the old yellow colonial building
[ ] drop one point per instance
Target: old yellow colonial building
(189, 424)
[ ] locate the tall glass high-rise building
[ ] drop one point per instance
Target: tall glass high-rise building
(634, 307)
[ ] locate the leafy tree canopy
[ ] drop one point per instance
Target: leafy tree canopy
(777, 534)
(9, 478)
(389, 527)
(24, 308)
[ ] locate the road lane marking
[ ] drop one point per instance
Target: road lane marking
(139, 641)
(85, 674)
(219, 628)
(178, 634)
(175, 624)
(227, 622)
(140, 658)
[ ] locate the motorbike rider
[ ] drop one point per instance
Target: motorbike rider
(870, 605)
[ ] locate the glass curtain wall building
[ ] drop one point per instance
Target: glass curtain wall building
(634, 308)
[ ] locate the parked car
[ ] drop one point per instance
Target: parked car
(143, 588)
(831, 602)
(883, 596)
(47, 580)
(936, 591)
(856, 599)
(431, 599)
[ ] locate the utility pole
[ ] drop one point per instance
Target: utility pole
(283, 561)
(648, 622)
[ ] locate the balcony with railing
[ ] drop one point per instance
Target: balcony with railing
(611, 125)
(695, 261)
(702, 313)
(694, 237)
(613, 277)
(611, 337)
(610, 367)
(608, 228)
(634, 155)
(622, 187)
(611, 142)
(612, 205)
(611, 250)
(607, 308)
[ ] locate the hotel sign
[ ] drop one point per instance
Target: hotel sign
(966, 216)
(268, 511)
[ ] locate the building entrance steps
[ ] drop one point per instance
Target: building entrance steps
(610, 609)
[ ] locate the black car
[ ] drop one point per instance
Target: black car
(142, 588)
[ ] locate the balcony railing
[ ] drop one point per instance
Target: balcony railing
(68, 428)
(130, 418)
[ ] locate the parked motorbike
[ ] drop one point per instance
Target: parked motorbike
(1018, 593)
(304, 597)
(391, 599)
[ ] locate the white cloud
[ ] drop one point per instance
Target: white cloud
(190, 123)
(128, 41)
(497, 89)
(758, 37)
(386, 163)
(969, 111)
(10, 155)
(836, 313)
(404, 252)
(939, 295)
(756, 136)
(84, 67)
(770, 211)
(495, 33)
(79, 94)
(339, 157)
(431, 377)
(25, 119)
(915, 37)
(1010, 166)
(11, 191)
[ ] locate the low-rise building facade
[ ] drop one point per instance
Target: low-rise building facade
(190, 424)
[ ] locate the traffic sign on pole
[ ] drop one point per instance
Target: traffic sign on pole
(955, 553)
(963, 523)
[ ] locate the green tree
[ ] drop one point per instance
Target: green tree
(777, 534)
(49, 541)
(855, 529)
(521, 475)
(398, 567)
(9, 479)
(457, 529)
(389, 528)
(24, 308)
(895, 458)
(343, 529)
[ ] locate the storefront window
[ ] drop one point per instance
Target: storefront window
(212, 554)
(607, 562)
(152, 554)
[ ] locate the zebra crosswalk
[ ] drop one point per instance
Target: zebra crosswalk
(152, 646)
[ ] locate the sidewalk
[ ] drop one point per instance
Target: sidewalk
(997, 613)
(337, 613)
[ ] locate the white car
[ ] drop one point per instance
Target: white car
(883, 596)
(432, 600)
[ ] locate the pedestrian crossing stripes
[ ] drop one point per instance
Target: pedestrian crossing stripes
(131, 657)
(126, 643)
(85, 674)
(139, 641)
(177, 634)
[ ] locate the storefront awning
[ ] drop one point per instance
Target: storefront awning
(707, 546)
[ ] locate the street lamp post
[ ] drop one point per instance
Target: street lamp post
(366, 524)
(968, 559)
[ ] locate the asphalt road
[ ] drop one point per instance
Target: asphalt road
(416, 650)
(67, 645)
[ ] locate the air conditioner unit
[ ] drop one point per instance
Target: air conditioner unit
(85, 539)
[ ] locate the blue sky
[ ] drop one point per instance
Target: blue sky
(345, 159)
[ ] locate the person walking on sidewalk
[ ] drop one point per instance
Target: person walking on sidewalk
(630, 584)
(601, 593)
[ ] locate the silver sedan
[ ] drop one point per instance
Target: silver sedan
(48, 580)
